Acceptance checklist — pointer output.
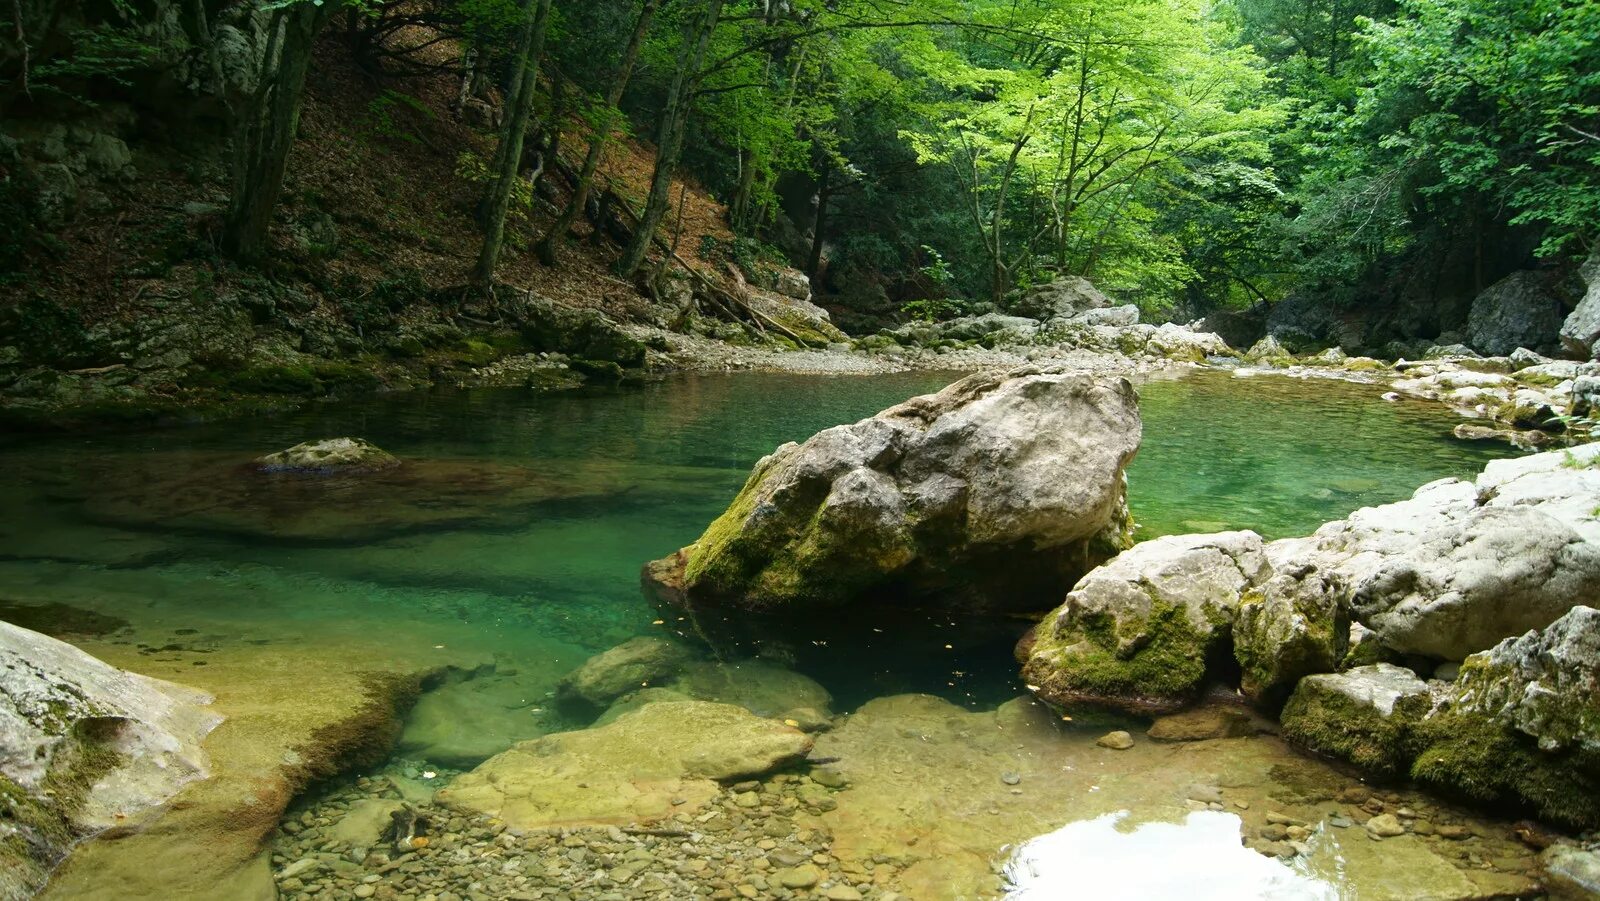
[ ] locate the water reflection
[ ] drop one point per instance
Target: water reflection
(1198, 859)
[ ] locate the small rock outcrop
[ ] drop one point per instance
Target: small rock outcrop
(1519, 726)
(83, 745)
(1063, 298)
(330, 455)
(1364, 715)
(996, 493)
(1294, 624)
(1138, 633)
(648, 763)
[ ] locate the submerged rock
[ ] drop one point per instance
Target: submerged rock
(84, 745)
(343, 455)
(1137, 634)
(634, 664)
(995, 493)
(631, 770)
(1202, 724)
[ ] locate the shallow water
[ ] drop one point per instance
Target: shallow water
(522, 543)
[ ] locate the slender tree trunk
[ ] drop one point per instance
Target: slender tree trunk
(508, 155)
(741, 196)
(265, 132)
(669, 139)
(824, 194)
(1001, 276)
(546, 248)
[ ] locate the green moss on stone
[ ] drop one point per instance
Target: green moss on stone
(1156, 664)
(1472, 756)
(1330, 723)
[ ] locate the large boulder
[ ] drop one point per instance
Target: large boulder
(996, 493)
(1544, 684)
(991, 329)
(1138, 633)
(648, 763)
(1120, 317)
(1063, 298)
(83, 746)
(1581, 330)
(1490, 573)
(1517, 311)
(586, 334)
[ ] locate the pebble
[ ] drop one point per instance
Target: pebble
(1010, 778)
(1385, 825)
(842, 893)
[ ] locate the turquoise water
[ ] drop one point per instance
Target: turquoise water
(535, 512)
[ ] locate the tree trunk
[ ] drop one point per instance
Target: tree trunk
(546, 248)
(508, 155)
(669, 138)
(824, 192)
(265, 132)
(741, 197)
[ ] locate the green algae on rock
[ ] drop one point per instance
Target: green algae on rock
(1364, 716)
(996, 493)
(329, 455)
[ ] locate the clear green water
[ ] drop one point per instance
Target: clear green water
(124, 524)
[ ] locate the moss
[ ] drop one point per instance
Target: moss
(597, 370)
(355, 375)
(1538, 379)
(1330, 723)
(1157, 664)
(473, 352)
(1364, 364)
(1472, 756)
(277, 378)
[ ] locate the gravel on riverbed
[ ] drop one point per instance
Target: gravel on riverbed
(757, 839)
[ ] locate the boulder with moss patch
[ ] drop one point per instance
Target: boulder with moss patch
(83, 745)
(636, 663)
(1364, 715)
(996, 493)
(1295, 624)
(1139, 633)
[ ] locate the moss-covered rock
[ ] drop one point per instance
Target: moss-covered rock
(1294, 625)
(1366, 716)
(1141, 633)
(584, 334)
(998, 492)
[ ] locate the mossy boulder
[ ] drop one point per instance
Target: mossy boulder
(329, 455)
(1293, 625)
(1365, 715)
(583, 334)
(1141, 633)
(996, 493)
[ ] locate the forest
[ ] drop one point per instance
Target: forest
(921, 159)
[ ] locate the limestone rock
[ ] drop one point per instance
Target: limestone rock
(1294, 624)
(585, 334)
(1123, 316)
(1116, 741)
(1182, 344)
(1494, 572)
(1545, 684)
(1571, 872)
(996, 493)
(1581, 329)
(330, 455)
(1269, 352)
(627, 667)
(1065, 297)
(990, 329)
(84, 745)
(1363, 715)
(759, 686)
(1517, 311)
(1135, 634)
(629, 770)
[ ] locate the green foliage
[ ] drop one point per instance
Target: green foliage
(392, 114)
(475, 169)
(934, 309)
